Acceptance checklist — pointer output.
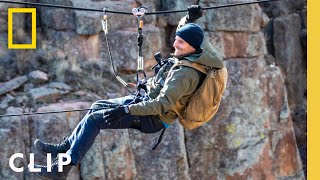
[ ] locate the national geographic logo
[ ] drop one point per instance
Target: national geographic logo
(33, 44)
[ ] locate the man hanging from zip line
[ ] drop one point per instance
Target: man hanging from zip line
(151, 115)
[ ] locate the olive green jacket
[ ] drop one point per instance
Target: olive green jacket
(179, 85)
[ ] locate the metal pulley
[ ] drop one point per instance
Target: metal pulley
(140, 11)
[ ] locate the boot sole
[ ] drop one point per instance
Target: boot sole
(45, 178)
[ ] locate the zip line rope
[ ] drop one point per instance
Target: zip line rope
(130, 13)
(63, 7)
(115, 12)
(49, 112)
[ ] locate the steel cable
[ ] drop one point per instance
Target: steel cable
(130, 13)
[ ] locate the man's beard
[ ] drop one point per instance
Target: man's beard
(178, 55)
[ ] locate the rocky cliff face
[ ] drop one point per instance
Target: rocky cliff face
(258, 133)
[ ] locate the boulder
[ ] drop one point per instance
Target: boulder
(6, 101)
(167, 161)
(238, 44)
(284, 7)
(58, 19)
(92, 165)
(288, 55)
(12, 84)
(247, 18)
(110, 157)
(257, 45)
(118, 157)
(70, 48)
(14, 139)
(45, 94)
(88, 23)
(53, 127)
(38, 77)
(60, 86)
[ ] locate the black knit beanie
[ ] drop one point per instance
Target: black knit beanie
(192, 34)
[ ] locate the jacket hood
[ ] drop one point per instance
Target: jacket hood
(209, 56)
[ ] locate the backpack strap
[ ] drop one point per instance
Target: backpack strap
(159, 139)
(176, 109)
(194, 65)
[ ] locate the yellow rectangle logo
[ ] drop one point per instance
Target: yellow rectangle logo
(33, 44)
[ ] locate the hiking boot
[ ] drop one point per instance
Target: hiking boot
(54, 149)
(54, 174)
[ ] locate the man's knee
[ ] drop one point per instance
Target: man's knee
(95, 118)
(99, 104)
